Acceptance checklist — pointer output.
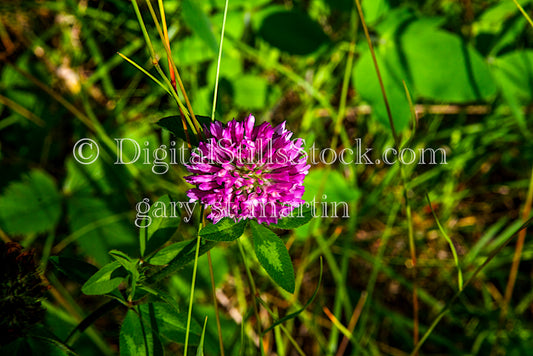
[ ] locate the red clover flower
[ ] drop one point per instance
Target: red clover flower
(244, 171)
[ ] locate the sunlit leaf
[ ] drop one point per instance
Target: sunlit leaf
(273, 256)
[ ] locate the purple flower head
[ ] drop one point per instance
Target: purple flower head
(244, 171)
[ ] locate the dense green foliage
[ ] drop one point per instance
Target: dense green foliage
(374, 274)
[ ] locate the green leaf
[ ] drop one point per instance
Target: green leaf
(130, 266)
(167, 254)
(200, 350)
(199, 23)
(293, 32)
(514, 73)
(77, 270)
(435, 65)
(105, 280)
(297, 218)
(225, 230)
(174, 125)
(173, 325)
(273, 256)
(374, 10)
(138, 333)
(32, 205)
(165, 218)
(442, 66)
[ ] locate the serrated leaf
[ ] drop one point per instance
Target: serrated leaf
(296, 219)
(273, 256)
(105, 280)
(32, 205)
(225, 230)
(293, 32)
(76, 270)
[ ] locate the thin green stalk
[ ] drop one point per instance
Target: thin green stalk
(22, 111)
(376, 66)
(166, 42)
(523, 12)
(254, 293)
(215, 303)
(283, 328)
(450, 243)
(145, 73)
(193, 283)
(218, 61)
(375, 272)
(144, 31)
(334, 336)
(219, 329)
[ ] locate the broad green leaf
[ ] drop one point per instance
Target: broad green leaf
(139, 333)
(173, 325)
(77, 270)
(374, 10)
(105, 280)
(435, 65)
(273, 256)
(167, 254)
(299, 216)
(32, 205)
(442, 66)
(293, 32)
(199, 23)
(225, 230)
